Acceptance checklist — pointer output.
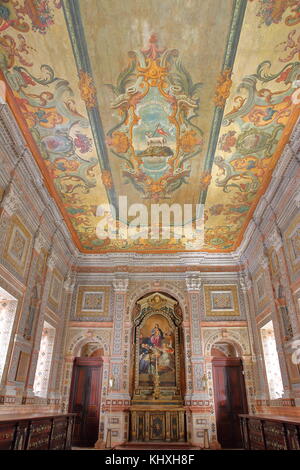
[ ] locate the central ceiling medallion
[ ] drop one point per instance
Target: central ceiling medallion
(156, 101)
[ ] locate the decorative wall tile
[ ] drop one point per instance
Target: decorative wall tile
(221, 300)
(17, 245)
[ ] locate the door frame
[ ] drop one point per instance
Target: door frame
(223, 362)
(84, 362)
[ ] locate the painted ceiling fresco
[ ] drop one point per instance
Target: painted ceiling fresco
(175, 101)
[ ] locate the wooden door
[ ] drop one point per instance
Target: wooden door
(85, 399)
(230, 400)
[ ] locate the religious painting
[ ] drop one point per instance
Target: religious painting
(157, 352)
(158, 388)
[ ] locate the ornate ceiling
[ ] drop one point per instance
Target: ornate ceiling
(163, 102)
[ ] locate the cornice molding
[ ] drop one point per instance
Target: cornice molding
(24, 168)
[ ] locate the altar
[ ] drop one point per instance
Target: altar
(165, 424)
(157, 412)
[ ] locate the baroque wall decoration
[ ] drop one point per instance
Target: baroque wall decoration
(93, 301)
(17, 245)
(260, 289)
(221, 300)
(87, 115)
(238, 336)
(55, 291)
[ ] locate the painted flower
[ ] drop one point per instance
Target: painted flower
(246, 163)
(83, 143)
(50, 119)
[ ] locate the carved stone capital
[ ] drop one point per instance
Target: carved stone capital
(51, 261)
(70, 281)
(120, 284)
(193, 282)
(39, 242)
(245, 282)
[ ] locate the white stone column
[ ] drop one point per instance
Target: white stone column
(193, 284)
(55, 391)
(198, 416)
(69, 285)
(118, 398)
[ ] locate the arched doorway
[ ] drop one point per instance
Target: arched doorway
(85, 395)
(157, 412)
(229, 393)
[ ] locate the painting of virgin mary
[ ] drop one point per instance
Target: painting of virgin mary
(156, 351)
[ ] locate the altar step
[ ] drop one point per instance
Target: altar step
(156, 446)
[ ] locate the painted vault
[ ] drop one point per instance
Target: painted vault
(177, 102)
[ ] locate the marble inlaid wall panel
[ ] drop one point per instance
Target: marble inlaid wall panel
(260, 290)
(16, 249)
(92, 302)
(55, 291)
(221, 301)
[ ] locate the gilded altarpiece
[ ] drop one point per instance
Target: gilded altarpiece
(157, 412)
